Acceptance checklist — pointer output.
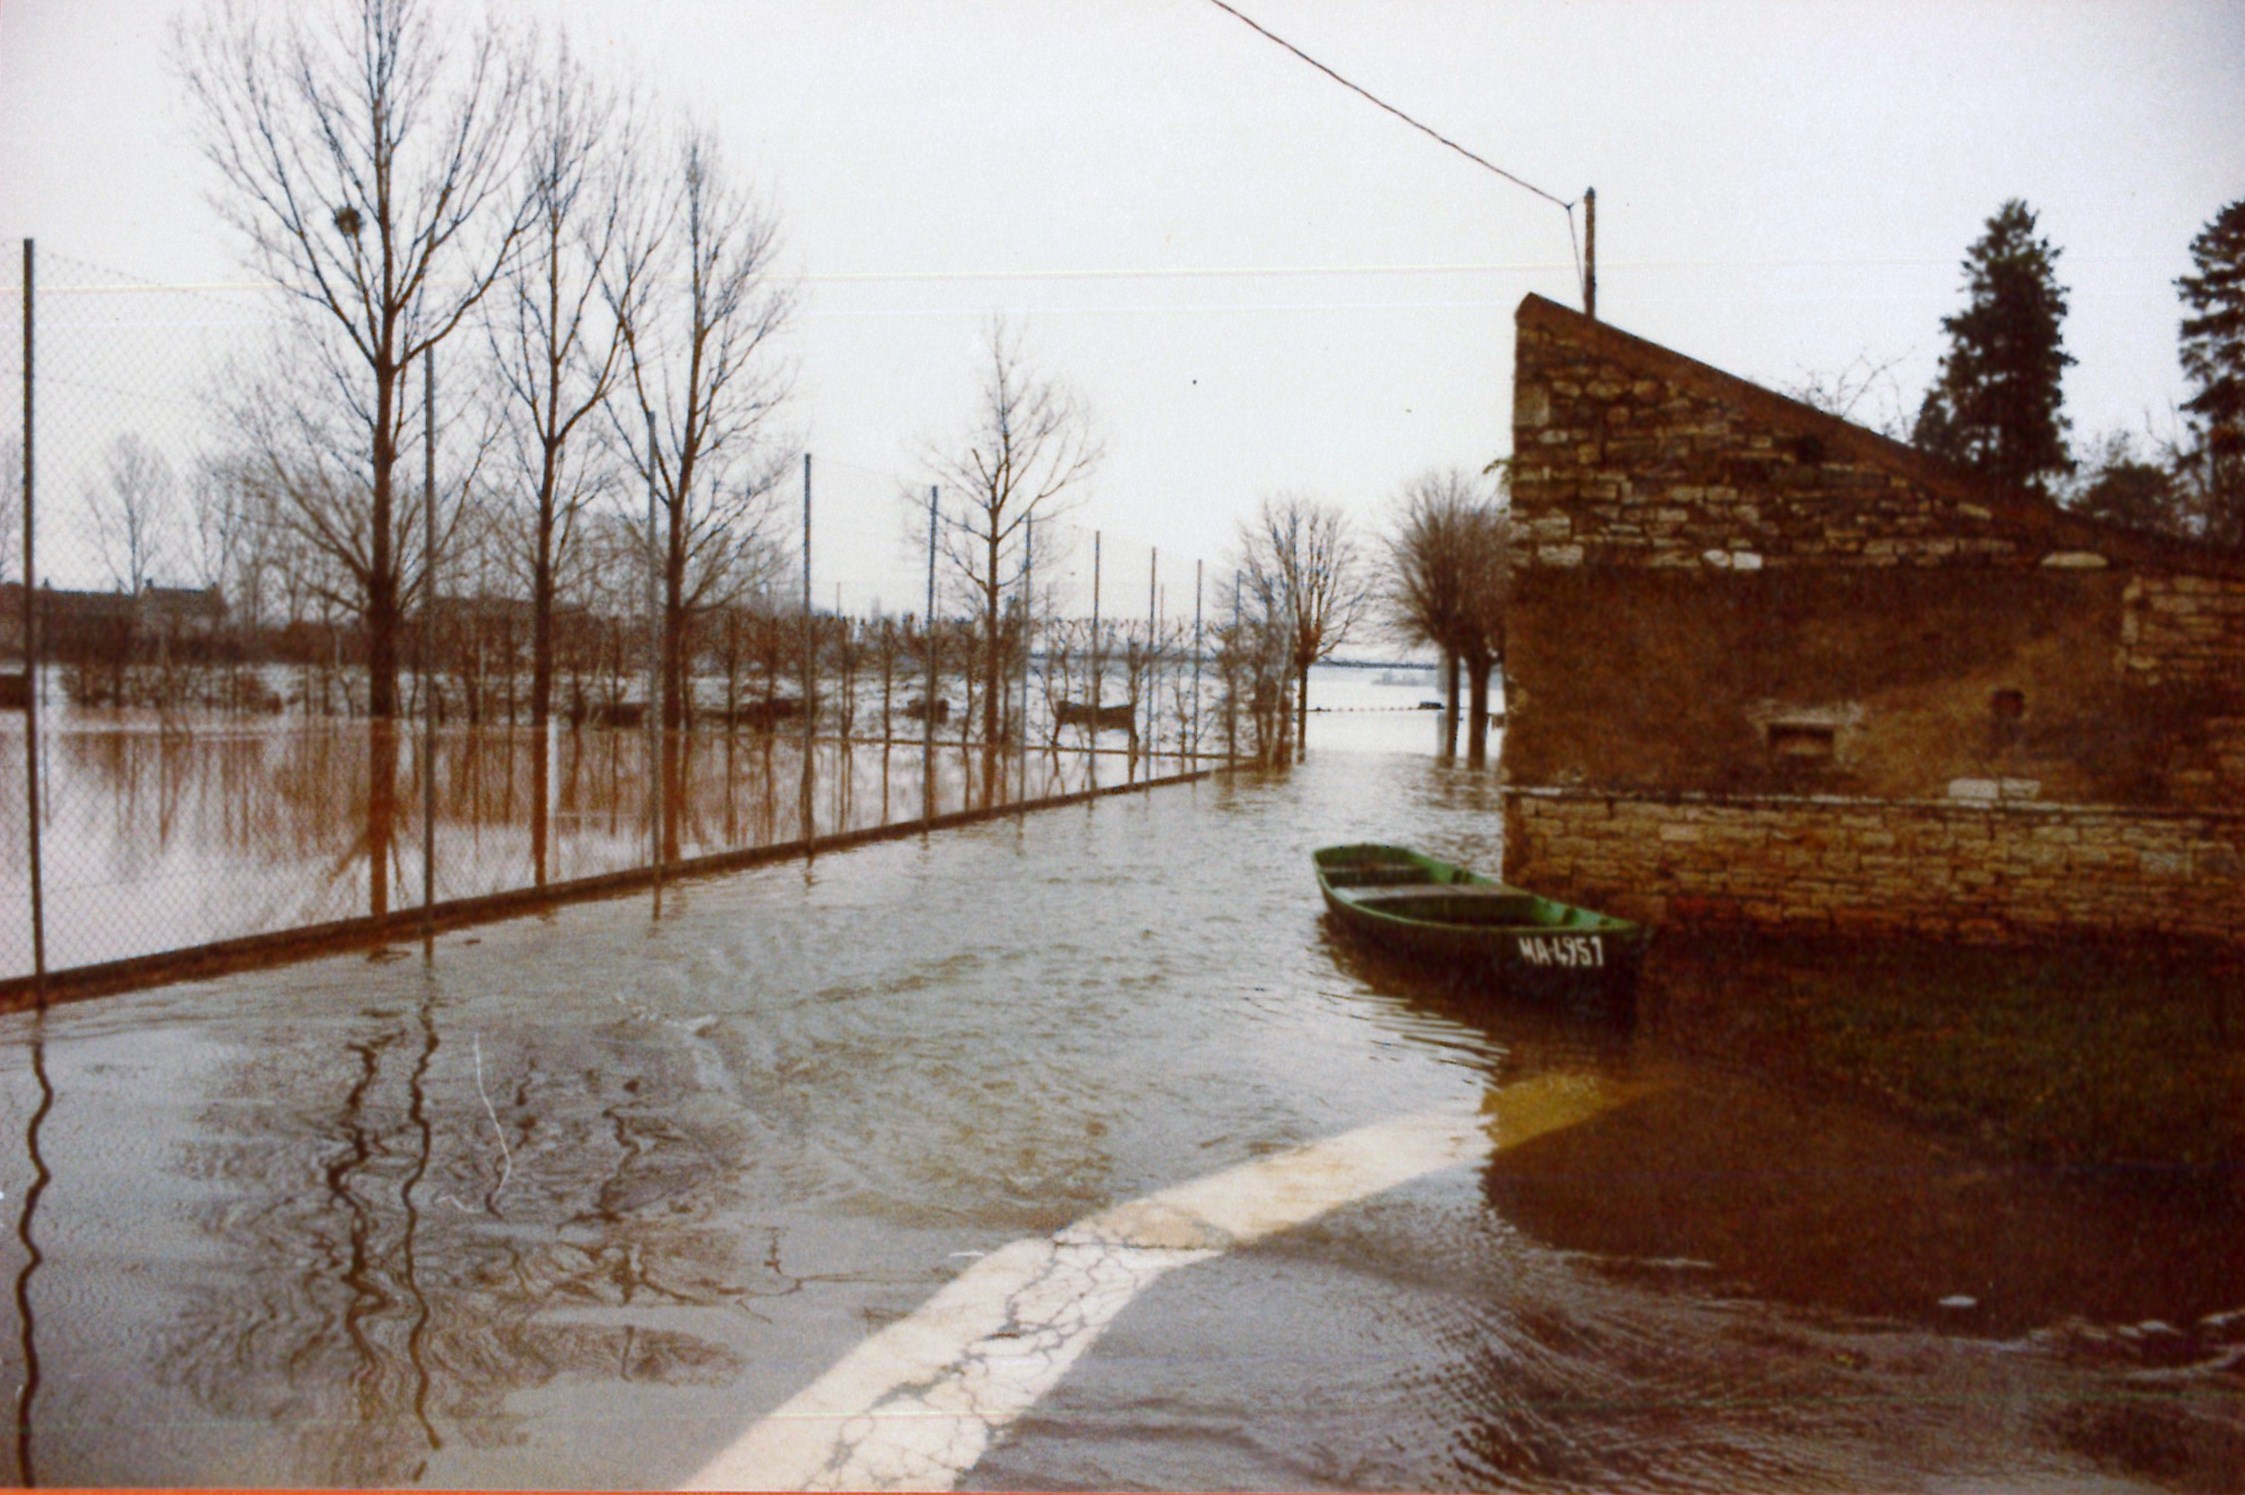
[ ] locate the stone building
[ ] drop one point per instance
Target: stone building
(1767, 668)
(182, 612)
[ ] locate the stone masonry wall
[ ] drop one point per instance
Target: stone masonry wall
(1627, 454)
(2183, 630)
(1997, 873)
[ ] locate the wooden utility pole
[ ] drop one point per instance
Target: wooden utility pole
(1590, 253)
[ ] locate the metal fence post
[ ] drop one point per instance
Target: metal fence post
(927, 701)
(31, 654)
(1028, 643)
(428, 632)
(1195, 748)
(1098, 693)
(808, 812)
(1153, 660)
(1231, 684)
(654, 677)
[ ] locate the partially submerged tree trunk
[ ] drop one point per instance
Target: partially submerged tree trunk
(1449, 703)
(1448, 579)
(1478, 666)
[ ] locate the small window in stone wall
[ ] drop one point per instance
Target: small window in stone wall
(1802, 742)
(2007, 715)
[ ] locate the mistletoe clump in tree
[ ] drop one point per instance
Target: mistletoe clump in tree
(2213, 355)
(1995, 406)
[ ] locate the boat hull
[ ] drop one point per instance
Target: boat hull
(1430, 910)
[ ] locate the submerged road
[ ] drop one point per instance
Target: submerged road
(918, 1404)
(1055, 1153)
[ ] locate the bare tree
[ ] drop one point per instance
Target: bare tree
(1424, 589)
(704, 359)
(135, 508)
(1488, 544)
(1448, 577)
(1026, 456)
(1311, 590)
(2124, 481)
(366, 150)
(230, 549)
(1255, 664)
(220, 519)
(556, 324)
(1866, 392)
(297, 456)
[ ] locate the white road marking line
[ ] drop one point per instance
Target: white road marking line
(916, 1405)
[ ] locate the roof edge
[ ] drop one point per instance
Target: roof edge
(2029, 510)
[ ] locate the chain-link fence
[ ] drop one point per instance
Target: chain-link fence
(193, 681)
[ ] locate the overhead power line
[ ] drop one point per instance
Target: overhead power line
(1424, 129)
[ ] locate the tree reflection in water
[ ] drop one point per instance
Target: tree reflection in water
(384, 1296)
(27, 1392)
(163, 840)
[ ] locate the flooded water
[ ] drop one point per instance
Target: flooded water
(160, 835)
(157, 840)
(590, 1197)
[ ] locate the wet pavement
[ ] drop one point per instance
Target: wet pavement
(590, 1198)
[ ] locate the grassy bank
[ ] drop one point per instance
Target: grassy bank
(2092, 1055)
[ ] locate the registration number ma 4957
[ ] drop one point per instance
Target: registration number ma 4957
(1572, 951)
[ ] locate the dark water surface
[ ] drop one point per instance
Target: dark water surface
(585, 1199)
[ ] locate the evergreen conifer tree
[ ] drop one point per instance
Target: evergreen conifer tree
(2213, 354)
(1995, 406)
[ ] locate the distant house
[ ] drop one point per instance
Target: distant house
(182, 611)
(76, 625)
(1771, 669)
(483, 614)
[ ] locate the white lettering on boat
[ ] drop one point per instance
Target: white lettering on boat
(1572, 951)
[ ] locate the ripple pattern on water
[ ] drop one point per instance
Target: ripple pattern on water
(282, 1224)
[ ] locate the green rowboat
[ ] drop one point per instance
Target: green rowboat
(1429, 908)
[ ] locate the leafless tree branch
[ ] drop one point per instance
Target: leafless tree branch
(365, 151)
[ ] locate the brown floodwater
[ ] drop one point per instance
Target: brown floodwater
(590, 1194)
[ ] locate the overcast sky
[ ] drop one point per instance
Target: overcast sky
(1261, 282)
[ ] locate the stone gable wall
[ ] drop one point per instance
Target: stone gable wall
(1625, 454)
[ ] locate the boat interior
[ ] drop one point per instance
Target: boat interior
(1465, 904)
(1385, 875)
(1380, 867)
(1388, 881)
